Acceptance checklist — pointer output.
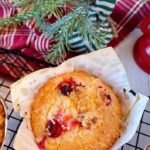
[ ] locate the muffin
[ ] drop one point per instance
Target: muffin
(2, 123)
(76, 111)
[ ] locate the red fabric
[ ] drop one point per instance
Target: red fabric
(14, 66)
(26, 38)
(127, 15)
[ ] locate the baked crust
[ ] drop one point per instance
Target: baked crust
(2, 123)
(89, 112)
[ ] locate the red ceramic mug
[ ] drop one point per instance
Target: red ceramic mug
(142, 46)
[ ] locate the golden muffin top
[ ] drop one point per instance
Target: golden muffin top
(76, 111)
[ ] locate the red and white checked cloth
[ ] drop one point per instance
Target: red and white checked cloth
(127, 15)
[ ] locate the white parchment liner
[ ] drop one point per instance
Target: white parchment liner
(103, 63)
(6, 121)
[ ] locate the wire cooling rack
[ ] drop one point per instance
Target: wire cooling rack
(15, 64)
(140, 140)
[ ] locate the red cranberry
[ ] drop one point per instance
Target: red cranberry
(55, 128)
(41, 144)
(66, 90)
(67, 86)
(100, 87)
(75, 123)
(70, 82)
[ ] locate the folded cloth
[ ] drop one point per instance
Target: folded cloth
(33, 43)
(127, 15)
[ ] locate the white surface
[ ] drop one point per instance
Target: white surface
(139, 80)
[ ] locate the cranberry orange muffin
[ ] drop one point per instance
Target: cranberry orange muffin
(2, 123)
(76, 111)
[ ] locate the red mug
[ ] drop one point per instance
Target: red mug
(142, 46)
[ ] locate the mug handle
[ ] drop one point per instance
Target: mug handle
(145, 25)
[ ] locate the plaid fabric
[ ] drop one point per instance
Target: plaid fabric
(35, 44)
(127, 15)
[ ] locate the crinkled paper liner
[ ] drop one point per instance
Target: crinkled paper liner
(103, 63)
(6, 121)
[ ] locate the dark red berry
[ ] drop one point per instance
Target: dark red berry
(100, 87)
(67, 86)
(66, 90)
(54, 128)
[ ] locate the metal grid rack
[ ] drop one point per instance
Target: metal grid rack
(15, 61)
(140, 140)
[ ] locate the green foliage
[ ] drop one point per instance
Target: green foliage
(22, 3)
(77, 20)
(17, 19)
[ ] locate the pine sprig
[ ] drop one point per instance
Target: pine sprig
(23, 3)
(58, 51)
(66, 21)
(17, 19)
(78, 20)
(39, 8)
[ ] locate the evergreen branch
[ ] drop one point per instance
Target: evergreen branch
(42, 7)
(58, 51)
(23, 3)
(16, 19)
(80, 22)
(50, 6)
(50, 29)
(38, 7)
